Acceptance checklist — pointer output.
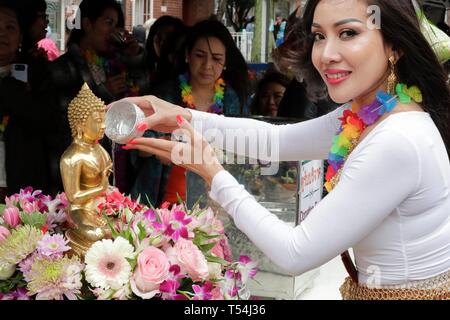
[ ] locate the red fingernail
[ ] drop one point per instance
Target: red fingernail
(142, 126)
(132, 142)
(126, 147)
(180, 119)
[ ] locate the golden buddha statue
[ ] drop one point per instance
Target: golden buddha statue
(85, 168)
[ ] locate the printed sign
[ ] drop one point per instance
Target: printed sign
(310, 187)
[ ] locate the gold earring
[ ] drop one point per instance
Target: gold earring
(392, 79)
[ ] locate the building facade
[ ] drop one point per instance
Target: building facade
(144, 12)
(137, 12)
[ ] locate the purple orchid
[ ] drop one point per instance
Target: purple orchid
(150, 215)
(233, 282)
(174, 225)
(170, 286)
(247, 268)
(169, 290)
(178, 228)
(202, 292)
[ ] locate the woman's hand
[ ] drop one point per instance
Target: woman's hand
(161, 115)
(194, 154)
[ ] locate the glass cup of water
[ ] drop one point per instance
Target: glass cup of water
(122, 119)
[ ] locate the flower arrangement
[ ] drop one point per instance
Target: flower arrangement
(168, 253)
(188, 98)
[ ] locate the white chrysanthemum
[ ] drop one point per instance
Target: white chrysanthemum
(54, 279)
(6, 271)
(107, 266)
(19, 244)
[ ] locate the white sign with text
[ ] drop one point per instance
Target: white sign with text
(310, 187)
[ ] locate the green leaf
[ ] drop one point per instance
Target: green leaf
(211, 258)
(197, 203)
(204, 236)
(150, 203)
(2, 208)
(132, 262)
(200, 240)
(180, 201)
(35, 219)
(207, 247)
(114, 233)
(142, 232)
(187, 294)
(127, 235)
(16, 281)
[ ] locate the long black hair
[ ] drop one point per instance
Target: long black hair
(93, 9)
(417, 66)
(236, 72)
(28, 10)
(160, 26)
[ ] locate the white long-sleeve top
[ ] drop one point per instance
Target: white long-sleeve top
(392, 204)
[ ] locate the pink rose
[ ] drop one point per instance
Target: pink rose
(4, 233)
(152, 269)
(11, 217)
(191, 259)
(227, 254)
(217, 250)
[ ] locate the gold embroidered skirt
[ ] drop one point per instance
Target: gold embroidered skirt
(436, 288)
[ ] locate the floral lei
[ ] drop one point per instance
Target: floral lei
(354, 122)
(4, 124)
(111, 65)
(188, 98)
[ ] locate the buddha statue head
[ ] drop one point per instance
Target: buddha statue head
(87, 116)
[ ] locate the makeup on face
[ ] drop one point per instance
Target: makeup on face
(350, 57)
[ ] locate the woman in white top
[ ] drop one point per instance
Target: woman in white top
(390, 171)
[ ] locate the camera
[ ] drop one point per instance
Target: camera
(19, 67)
(19, 71)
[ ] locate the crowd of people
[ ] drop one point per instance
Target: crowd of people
(199, 67)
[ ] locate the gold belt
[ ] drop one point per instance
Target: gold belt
(436, 288)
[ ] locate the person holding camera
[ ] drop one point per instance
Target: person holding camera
(21, 116)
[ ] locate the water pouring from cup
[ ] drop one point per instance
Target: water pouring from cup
(122, 119)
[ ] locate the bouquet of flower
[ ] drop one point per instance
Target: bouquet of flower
(166, 253)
